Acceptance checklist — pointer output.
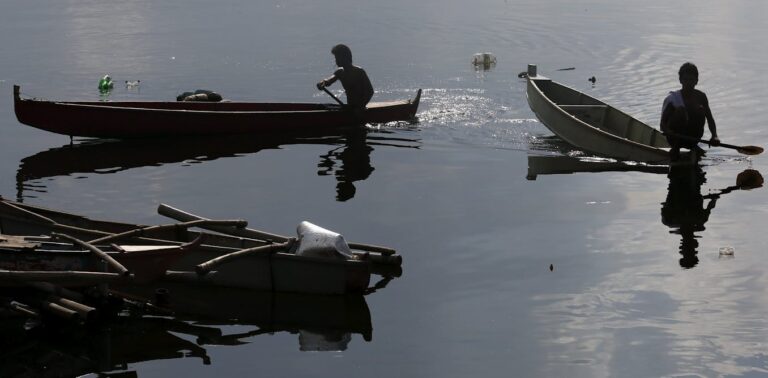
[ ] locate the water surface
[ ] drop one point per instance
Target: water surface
(476, 296)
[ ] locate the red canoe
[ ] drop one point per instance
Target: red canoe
(134, 119)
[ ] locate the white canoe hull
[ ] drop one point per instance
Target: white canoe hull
(594, 126)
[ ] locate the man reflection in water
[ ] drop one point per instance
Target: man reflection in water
(355, 81)
(355, 158)
(684, 112)
(684, 211)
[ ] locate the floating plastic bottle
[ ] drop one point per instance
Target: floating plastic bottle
(106, 84)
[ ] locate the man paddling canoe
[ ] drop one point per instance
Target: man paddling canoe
(355, 81)
(684, 113)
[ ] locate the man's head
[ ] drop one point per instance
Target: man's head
(343, 55)
(689, 75)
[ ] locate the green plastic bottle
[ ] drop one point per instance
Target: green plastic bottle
(105, 84)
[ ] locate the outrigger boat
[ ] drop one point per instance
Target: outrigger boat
(232, 256)
(594, 126)
(141, 119)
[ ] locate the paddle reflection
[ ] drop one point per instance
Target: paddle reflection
(206, 316)
(351, 152)
(686, 210)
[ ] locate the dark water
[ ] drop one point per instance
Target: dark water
(638, 286)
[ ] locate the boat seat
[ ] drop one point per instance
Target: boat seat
(591, 114)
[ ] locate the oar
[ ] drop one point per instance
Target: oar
(746, 150)
(332, 95)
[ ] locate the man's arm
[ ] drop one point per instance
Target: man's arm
(368, 88)
(666, 115)
(329, 81)
(710, 122)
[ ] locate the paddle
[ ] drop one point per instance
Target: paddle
(332, 95)
(746, 150)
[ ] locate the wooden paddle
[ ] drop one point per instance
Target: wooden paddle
(746, 150)
(332, 95)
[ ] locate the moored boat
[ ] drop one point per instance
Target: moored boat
(141, 119)
(592, 125)
(280, 270)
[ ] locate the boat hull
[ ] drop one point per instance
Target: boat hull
(281, 272)
(166, 119)
(592, 125)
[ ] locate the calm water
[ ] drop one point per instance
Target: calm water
(638, 287)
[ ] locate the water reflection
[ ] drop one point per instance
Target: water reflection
(553, 165)
(208, 316)
(70, 351)
(351, 153)
(686, 210)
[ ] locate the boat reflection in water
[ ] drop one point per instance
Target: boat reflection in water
(686, 210)
(351, 152)
(556, 165)
(553, 156)
(321, 323)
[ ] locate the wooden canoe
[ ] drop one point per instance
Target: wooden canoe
(141, 119)
(280, 272)
(592, 125)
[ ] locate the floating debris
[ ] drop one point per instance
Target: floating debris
(567, 69)
(484, 60)
(105, 84)
(726, 251)
(132, 84)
